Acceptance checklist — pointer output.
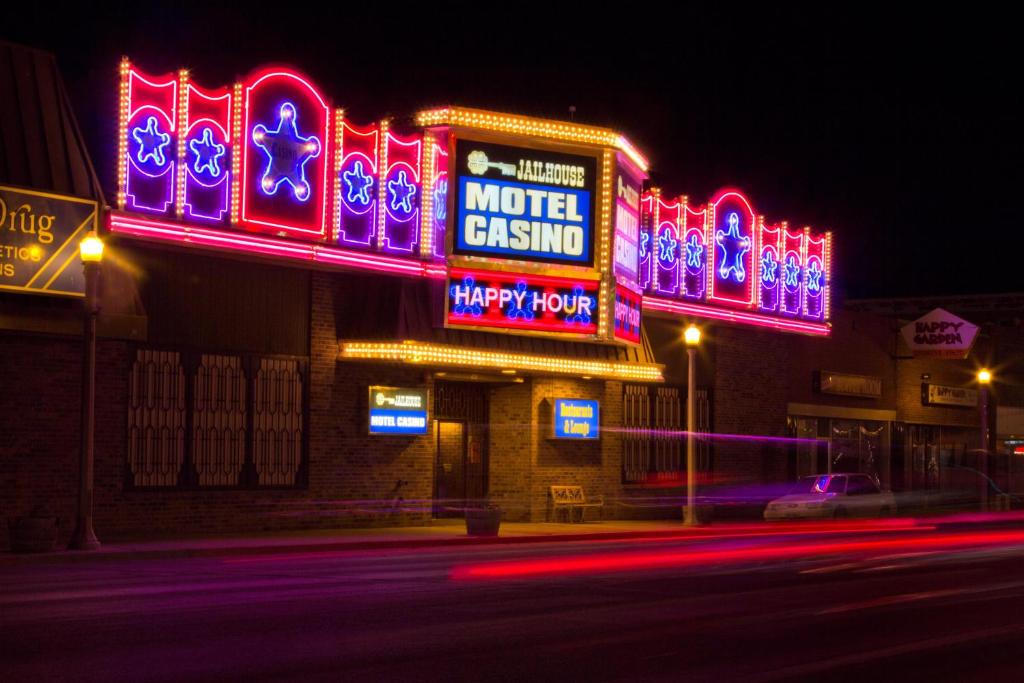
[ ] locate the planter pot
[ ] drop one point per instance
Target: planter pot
(33, 534)
(483, 521)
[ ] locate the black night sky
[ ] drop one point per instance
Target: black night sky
(902, 133)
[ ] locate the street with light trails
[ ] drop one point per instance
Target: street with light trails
(740, 602)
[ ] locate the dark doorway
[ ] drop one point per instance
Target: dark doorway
(460, 412)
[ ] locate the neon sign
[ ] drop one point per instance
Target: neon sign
(628, 187)
(204, 173)
(627, 315)
(270, 155)
(521, 301)
(666, 247)
(399, 192)
(287, 153)
(731, 223)
(148, 129)
(282, 145)
(696, 257)
(524, 204)
(357, 171)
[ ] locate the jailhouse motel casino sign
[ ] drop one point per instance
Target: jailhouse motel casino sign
(534, 226)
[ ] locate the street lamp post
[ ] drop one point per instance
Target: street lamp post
(692, 338)
(984, 379)
(90, 250)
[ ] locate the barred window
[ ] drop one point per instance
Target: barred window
(216, 420)
(654, 435)
(156, 418)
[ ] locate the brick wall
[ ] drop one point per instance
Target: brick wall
(751, 374)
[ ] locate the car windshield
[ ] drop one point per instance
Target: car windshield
(819, 484)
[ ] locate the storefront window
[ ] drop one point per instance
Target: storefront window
(852, 446)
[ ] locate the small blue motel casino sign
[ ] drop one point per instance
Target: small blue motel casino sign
(576, 419)
(395, 410)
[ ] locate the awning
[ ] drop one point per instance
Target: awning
(391, 320)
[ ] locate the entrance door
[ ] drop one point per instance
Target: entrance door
(450, 480)
(460, 411)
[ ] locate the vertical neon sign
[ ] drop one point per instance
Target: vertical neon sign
(731, 233)
(399, 192)
(148, 148)
(814, 276)
(769, 267)
(284, 149)
(666, 248)
(205, 153)
(358, 189)
(694, 257)
(792, 270)
(648, 218)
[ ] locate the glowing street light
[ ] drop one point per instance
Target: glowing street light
(90, 250)
(984, 379)
(692, 338)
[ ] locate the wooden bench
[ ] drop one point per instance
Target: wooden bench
(571, 499)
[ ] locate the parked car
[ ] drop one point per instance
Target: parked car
(827, 496)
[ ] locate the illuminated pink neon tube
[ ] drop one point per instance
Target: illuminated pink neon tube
(268, 246)
(742, 317)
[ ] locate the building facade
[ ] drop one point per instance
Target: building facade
(310, 322)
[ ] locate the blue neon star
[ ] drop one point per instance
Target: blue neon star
(359, 183)
(694, 251)
(151, 142)
(814, 273)
(733, 246)
(579, 316)
(645, 242)
(515, 311)
(207, 153)
(441, 200)
(402, 193)
(667, 246)
(791, 273)
(287, 154)
(769, 266)
(468, 283)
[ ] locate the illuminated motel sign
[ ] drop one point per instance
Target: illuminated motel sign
(534, 226)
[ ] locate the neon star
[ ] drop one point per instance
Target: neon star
(207, 153)
(791, 273)
(694, 250)
(359, 183)
(469, 283)
(516, 310)
(733, 246)
(580, 316)
(645, 241)
(441, 200)
(667, 246)
(814, 273)
(287, 154)
(402, 193)
(769, 266)
(151, 142)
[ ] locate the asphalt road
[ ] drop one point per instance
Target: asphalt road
(922, 604)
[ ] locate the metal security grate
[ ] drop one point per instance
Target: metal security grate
(636, 442)
(218, 420)
(156, 419)
(277, 422)
(654, 436)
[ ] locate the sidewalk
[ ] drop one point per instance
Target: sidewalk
(440, 533)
